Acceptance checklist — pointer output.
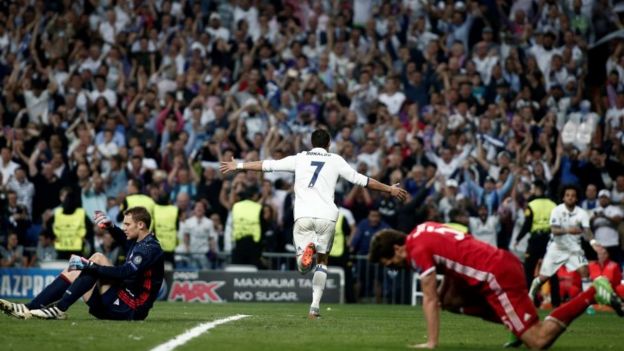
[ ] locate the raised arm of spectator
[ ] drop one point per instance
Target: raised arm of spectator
(269, 143)
(224, 199)
(481, 158)
(472, 186)
(504, 18)
(461, 158)
(433, 157)
(555, 167)
(419, 198)
(509, 182)
(240, 138)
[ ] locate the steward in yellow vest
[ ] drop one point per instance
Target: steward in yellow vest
(166, 225)
(246, 229)
(71, 227)
(340, 256)
(458, 220)
(537, 223)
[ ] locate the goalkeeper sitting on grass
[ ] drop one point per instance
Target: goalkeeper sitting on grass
(125, 292)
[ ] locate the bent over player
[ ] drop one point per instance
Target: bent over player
(316, 173)
(125, 292)
(479, 280)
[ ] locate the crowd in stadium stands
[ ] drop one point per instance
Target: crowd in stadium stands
(464, 103)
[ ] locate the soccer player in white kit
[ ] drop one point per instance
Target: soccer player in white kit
(316, 174)
(567, 222)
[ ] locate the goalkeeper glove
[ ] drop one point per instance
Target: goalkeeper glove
(77, 263)
(102, 220)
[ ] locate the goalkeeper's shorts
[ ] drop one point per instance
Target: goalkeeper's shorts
(109, 305)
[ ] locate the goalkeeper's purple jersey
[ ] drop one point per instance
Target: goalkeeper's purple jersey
(139, 279)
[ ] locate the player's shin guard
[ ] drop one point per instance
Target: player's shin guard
(79, 287)
(51, 293)
(318, 284)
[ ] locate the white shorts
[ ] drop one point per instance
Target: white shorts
(554, 259)
(314, 230)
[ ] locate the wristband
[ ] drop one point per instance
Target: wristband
(240, 165)
(593, 242)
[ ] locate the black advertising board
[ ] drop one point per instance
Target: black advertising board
(261, 286)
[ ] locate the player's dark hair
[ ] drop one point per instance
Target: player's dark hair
(139, 214)
(320, 138)
(382, 244)
(567, 187)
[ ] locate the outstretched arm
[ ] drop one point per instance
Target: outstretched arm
(431, 309)
(394, 190)
(233, 165)
(286, 164)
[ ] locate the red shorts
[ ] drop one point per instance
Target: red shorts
(506, 293)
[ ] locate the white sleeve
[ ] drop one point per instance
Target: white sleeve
(286, 164)
(554, 218)
(349, 217)
(351, 174)
(228, 243)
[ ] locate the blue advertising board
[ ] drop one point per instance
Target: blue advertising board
(25, 283)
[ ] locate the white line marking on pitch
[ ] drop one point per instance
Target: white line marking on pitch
(195, 332)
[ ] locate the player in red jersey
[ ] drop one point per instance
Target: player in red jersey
(479, 280)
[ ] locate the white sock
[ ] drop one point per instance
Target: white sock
(535, 285)
(318, 284)
(586, 282)
(299, 262)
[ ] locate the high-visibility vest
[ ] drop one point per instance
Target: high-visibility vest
(135, 200)
(339, 238)
(165, 223)
(69, 230)
(246, 220)
(541, 208)
(458, 226)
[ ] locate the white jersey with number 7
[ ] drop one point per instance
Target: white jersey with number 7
(316, 174)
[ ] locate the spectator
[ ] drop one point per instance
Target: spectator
(203, 237)
(13, 254)
(485, 227)
(605, 221)
(368, 277)
(24, 189)
(16, 217)
(45, 250)
(7, 166)
(109, 248)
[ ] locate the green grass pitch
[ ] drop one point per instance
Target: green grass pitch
(274, 327)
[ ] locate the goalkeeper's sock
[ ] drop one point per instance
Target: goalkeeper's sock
(79, 287)
(51, 293)
(318, 284)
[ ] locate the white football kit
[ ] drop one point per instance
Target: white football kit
(565, 249)
(316, 174)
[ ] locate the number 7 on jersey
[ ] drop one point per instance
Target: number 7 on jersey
(319, 165)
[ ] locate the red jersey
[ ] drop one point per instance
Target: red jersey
(432, 245)
(496, 275)
(611, 270)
